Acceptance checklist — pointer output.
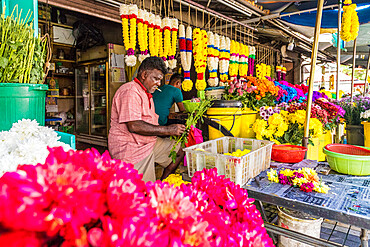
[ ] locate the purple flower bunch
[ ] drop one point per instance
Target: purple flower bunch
(267, 112)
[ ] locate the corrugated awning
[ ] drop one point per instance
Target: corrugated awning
(88, 7)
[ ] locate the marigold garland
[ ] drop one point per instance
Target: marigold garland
(142, 32)
(243, 61)
(172, 63)
(224, 60)
(200, 41)
(234, 59)
(251, 58)
(129, 13)
(154, 34)
(350, 23)
(166, 45)
(212, 58)
(186, 52)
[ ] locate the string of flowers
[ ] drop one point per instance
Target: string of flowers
(224, 59)
(243, 61)
(166, 45)
(172, 62)
(261, 71)
(153, 33)
(306, 179)
(234, 59)
(186, 52)
(283, 73)
(251, 58)
(350, 22)
(212, 58)
(142, 33)
(128, 14)
(200, 42)
(268, 71)
(278, 73)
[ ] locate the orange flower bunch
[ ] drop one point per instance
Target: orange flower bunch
(263, 86)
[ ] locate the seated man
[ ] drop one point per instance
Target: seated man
(164, 99)
(134, 124)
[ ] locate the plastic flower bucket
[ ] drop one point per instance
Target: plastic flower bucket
(316, 152)
(355, 135)
(248, 118)
(21, 100)
(227, 113)
(366, 133)
(348, 164)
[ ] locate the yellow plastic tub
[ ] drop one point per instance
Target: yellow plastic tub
(248, 118)
(227, 113)
(366, 133)
(316, 152)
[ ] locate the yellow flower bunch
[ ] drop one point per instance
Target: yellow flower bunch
(174, 31)
(243, 64)
(350, 23)
(298, 117)
(273, 176)
(200, 42)
(268, 70)
(239, 153)
(175, 180)
(316, 127)
(321, 187)
(259, 127)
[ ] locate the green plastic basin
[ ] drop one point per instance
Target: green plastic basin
(190, 106)
(348, 164)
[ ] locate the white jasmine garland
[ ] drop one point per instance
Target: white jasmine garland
(26, 143)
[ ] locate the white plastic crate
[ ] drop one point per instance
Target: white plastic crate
(210, 154)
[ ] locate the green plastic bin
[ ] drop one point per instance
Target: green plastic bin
(348, 164)
(21, 100)
(67, 139)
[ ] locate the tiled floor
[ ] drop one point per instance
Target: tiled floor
(342, 234)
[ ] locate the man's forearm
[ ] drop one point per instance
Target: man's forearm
(146, 129)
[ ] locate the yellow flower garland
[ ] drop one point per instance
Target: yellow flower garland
(166, 25)
(200, 41)
(350, 23)
(172, 63)
(129, 13)
(142, 32)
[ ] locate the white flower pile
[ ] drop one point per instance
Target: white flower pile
(26, 143)
(365, 115)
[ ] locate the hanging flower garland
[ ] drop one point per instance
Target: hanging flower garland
(158, 32)
(212, 58)
(268, 71)
(172, 62)
(224, 59)
(261, 71)
(251, 58)
(278, 73)
(142, 33)
(350, 23)
(200, 41)
(243, 67)
(283, 73)
(153, 33)
(234, 60)
(166, 29)
(186, 49)
(129, 13)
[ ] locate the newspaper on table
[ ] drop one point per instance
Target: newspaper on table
(347, 194)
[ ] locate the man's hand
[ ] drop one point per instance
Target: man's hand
(176, 129)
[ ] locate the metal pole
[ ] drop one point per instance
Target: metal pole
(338, 47)
(315, 47)
(353, 67)
(367, 71)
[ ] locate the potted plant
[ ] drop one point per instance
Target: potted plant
(22, 60)
(355, 131)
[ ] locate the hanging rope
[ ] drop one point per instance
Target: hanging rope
(180, 13)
